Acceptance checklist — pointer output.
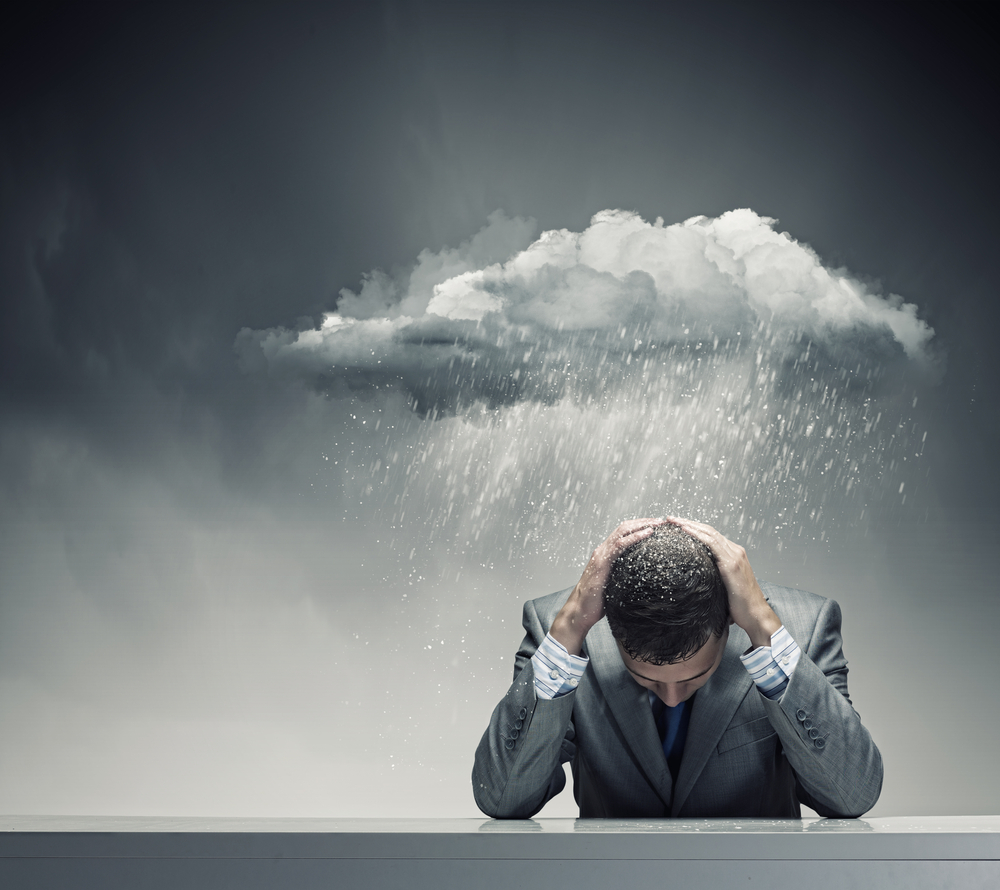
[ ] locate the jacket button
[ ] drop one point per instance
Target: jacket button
(518, 724)
(807, 724)
(509, 744)
(819, 743)
(800, 714)
(814, 733)
(514, 734)
(522, 713)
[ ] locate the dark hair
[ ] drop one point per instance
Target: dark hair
(665, 597)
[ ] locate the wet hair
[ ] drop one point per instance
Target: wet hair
(665, 598)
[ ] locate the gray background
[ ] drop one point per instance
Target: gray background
(200, 612)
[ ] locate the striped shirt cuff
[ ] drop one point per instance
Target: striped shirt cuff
(771, 667)
(556, 671)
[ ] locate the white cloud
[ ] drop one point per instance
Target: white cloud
(714, 367)
(494, 313)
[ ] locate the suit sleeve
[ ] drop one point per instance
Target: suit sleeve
(837, 766)
(518, 766)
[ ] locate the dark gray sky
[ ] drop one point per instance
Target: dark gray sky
(191, 593)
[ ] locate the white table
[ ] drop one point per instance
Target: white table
(108, 852)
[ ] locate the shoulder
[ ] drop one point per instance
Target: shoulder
(792, 598)
(545, 608)
(801, 611)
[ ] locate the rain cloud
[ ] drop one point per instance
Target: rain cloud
(714, 367)
(537, 325)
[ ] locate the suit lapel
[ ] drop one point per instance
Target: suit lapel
(713, 708)
(629, 703)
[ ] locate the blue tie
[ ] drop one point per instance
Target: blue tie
(672, 724)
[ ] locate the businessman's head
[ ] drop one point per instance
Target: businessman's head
(665, 599)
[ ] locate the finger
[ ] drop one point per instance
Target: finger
(701, 530)
(631, 526)
(710, 537)
(637, 535)
(630, 532)
(691, 523)
(636, 531)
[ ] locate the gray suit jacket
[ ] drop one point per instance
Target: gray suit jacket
(745, 754)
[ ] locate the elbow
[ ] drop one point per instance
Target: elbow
(489, 798)
(863, 796)
(497, 812)
(848, 792)
(486, 802)
(493, 806)
(495, 803)
(872, 787)
(484, 794)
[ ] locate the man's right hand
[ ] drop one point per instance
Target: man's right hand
(585, 606)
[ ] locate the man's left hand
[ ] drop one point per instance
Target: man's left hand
(747, 606)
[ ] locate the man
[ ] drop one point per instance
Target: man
(677, 686)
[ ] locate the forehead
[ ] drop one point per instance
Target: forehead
(678, 671)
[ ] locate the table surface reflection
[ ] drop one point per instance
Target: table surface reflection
(901, 837)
